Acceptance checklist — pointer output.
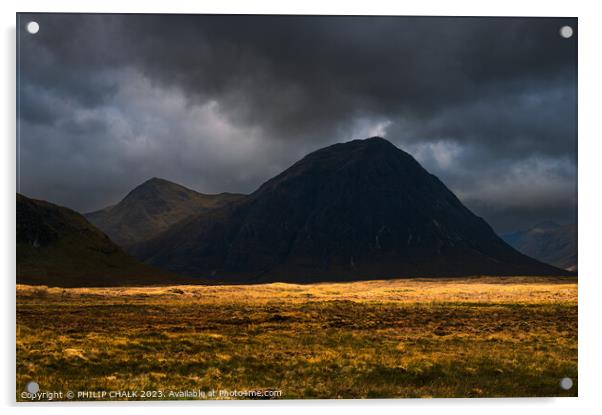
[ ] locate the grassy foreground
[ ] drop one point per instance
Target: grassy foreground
(470, 337)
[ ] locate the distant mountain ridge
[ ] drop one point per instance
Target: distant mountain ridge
(57, 246)
(548, 242)
(152, 208)
(357, 210)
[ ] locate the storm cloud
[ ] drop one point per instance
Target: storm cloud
(222, 103)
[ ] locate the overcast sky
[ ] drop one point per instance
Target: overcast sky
(223, 103)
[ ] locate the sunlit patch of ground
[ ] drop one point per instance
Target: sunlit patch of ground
(513, 336)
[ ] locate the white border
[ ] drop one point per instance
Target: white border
(590, 232)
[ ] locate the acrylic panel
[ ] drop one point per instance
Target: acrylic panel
(295, 207)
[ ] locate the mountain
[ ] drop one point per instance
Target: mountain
(59, 247)
(151, 208)
(548, 242)
(357, 210)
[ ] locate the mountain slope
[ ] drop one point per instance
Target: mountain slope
(357, 210)
(59, 247)
(548, 242)
(151, 208)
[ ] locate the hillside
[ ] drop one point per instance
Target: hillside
(151, 208)
(548, 242)
(57, 246)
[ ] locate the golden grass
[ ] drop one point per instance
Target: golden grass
(453, 337)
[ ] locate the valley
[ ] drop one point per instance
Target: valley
(444, 337)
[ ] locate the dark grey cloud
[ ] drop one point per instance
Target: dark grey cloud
(220, 103)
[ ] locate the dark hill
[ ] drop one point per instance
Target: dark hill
(548, 242)
(151, 208)
(59, 247)
(358, 210)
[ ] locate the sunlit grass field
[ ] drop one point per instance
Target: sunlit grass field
(468, 337)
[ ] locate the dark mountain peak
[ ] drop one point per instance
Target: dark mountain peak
(364, 146)
(356, 164)
(154, 185)
(366, 142)
(365, 150)
(372, 142)
(157, 181)
(151, 208)
(356, 210)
